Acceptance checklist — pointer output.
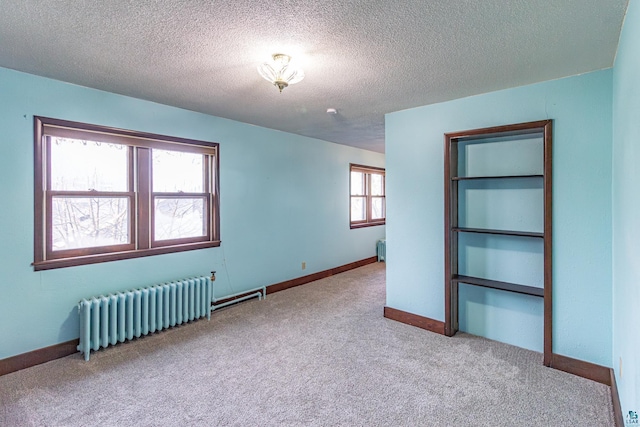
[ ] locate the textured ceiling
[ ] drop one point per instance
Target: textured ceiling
(364, 58)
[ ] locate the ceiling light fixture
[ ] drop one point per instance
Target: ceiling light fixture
(280, 72)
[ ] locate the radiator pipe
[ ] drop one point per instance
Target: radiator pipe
(246, 297)
(261, 290)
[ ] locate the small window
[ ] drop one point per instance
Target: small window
(105, 194)
(367, 205)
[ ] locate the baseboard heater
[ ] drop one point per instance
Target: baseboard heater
(260, 293)
(115, 318)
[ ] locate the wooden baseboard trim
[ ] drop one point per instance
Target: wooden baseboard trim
(319, 275)
(43, 355)
(594, 372)
(618, 419)
(414, 320)
(306, 279)
(36, 357)
(583, 369)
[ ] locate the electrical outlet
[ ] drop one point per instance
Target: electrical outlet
(304, 265)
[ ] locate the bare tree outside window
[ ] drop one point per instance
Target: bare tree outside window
(78, 168)
(179, 218)
(177, 178)
(80, 222)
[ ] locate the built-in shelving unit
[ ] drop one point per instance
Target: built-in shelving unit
(460, 149)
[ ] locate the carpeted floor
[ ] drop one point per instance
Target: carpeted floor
(316, 355)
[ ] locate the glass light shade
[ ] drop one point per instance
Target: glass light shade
(280, 72)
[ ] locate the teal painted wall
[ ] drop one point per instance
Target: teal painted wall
(581, 109)
(626, 208)
(284, 200)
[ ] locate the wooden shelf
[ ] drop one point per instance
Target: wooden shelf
(465, 178)
(499, 232)
(504, 286)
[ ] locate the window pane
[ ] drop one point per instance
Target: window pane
(88, 165)
(178, 218)
(175, 171)
(357, 184)
(377, 208)
(358, 209)
(83, 222)
(377, 185)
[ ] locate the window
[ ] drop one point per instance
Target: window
(367, 205)
(104, 194)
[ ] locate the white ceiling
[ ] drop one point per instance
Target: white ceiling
(364, 58)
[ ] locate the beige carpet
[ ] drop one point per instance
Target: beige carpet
(316, 355)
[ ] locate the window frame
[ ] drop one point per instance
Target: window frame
(140, 194)
(368, 171)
